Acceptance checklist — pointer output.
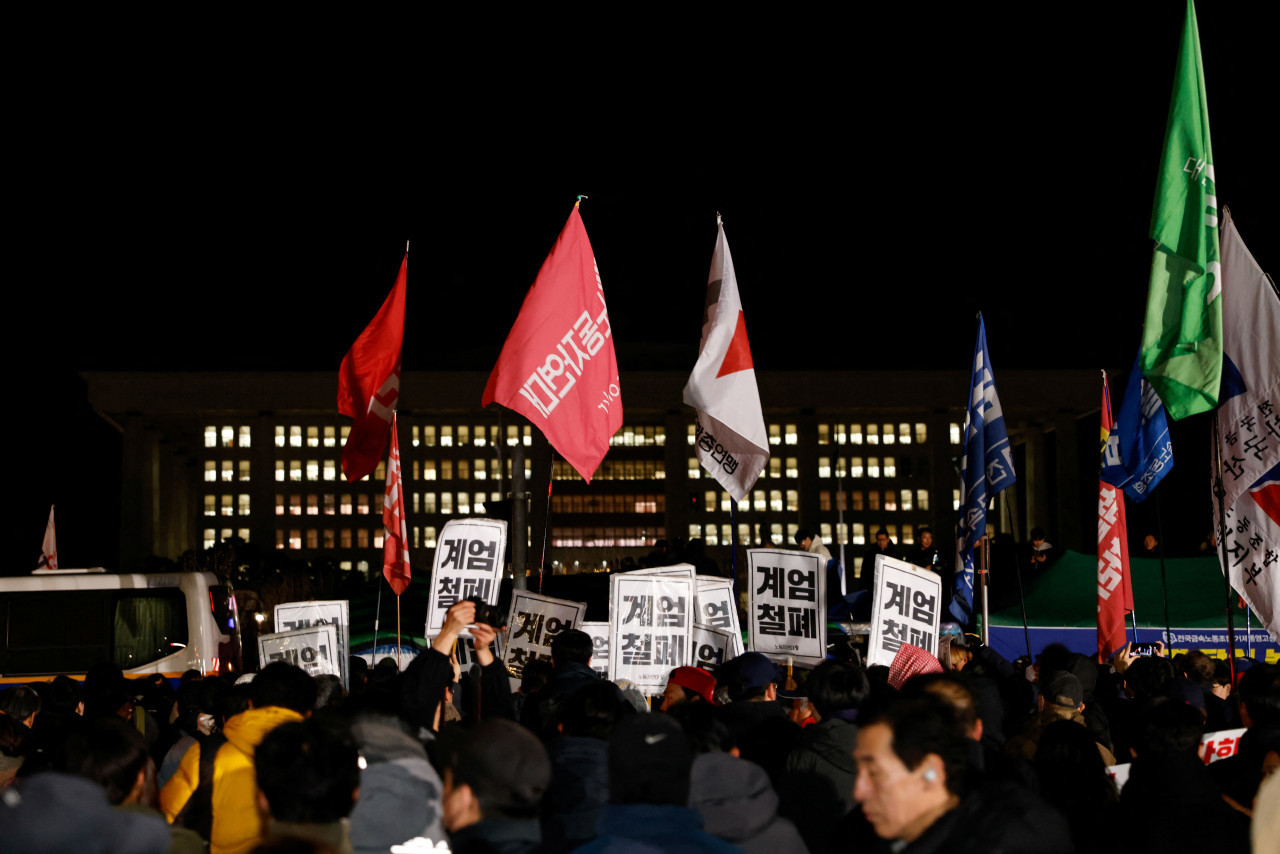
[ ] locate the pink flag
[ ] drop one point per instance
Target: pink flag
(49, 550)
(395, 545)
(369, 382)
(557, 367)
(1115, 589)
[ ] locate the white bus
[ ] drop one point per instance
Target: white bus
(65, 621)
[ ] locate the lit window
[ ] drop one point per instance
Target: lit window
(313, 505)
(873, 434)
(824, 531)
(210, 538)
(792, 436)
(824, 466)
(793, 501)
(464, 470)
(922, 433)
(211, 505)
(313, 538)
(873, 466)
(313, 470)
(887, 434)
(824, 499)
(824, 434)
(775, 500)
(890, 500)
(513, 436)
(428, 502)
(904, 434)
(478, 436)
(243, 533)
(362, 505)
(279, 504)
(330, 506)
(842, 434)
(227, 508)
(280, 470)
(446, 503)
(695, 469)
(842, 532)
(528, 437)
(210, 471)
(855, 434)
(330, 437)
(955, 433)
(477, 501)
(244, 470)
(893, 532)
(855, 467)
(793, 467)
(210, 440)
(344, 506)
(464, 504)
(228, 437)
(791, 532)
(295, 470)
(955, 499)
(280, 444)
(859, 534)
(429, 537)
(906, 500)
(295, 437)
(428, 469)
(295, 505)
(242, 505)
(380, 473)
(890, 467)
(228, 471)
(775, 467)
(478, 467)
(709, 501)
(446, 437)
(775, 434)
(245, 437)
(744, 533)
(313, 437)
(759, 500)
(711, 536)
(726, 502)
(330, 470)
(922, 499)
(908, 533)
(429, 435)
(295, 538)
(842, 467)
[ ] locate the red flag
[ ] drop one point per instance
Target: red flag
(1115, 590)
(395, 545)
(49, 549)
(557, 367)
(369, 382)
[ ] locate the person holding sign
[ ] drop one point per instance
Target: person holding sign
(428, 677)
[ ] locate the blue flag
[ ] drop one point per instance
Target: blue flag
(986, 469)
(1139, 452)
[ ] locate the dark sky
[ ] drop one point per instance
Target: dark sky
(239, 198)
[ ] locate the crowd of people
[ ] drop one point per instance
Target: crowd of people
(970, 753)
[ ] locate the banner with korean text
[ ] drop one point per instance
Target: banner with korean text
(303, 615)
(650, 628)
(787, 605)
(533, 621)
(718, 610)
(905, 608)
(712, 647)
(468, 565)
(599, 632)
(313, 649)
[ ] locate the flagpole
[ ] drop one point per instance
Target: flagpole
(397, 631)
(733, 541)
(377, 615)
(1220, 493)
(1164, 581)
(546, 521)
(986, 568)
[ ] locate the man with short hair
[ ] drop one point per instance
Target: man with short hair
(758, 722)
(280, 694)
(495, 777)
(308, 777)
(571, 656)
(1062, 699)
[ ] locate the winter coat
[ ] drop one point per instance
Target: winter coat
(578, 792)
(400, 792)
(738, 804)
(817, 788)
(60, 812)
(237, 826)
(648, 828)
(1025, 743)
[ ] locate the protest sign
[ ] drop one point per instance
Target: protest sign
(314, 649)
(650, 628)
(717, 608)
(677, 570)
(788, 614)
(336, 613)
(534, 620)
(1119, 773)
(712, 647)
(905, 608)
(468, 565)
(600, 647)
(1219, 745)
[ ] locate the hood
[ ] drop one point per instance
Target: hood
(247, 729)
(382, 739)
(733, 796)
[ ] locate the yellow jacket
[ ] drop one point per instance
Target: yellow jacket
(237, 826)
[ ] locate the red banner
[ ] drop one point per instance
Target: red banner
(1115, 590)
(395, 545)
(557, 367)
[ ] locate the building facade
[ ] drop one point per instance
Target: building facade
(210, 456)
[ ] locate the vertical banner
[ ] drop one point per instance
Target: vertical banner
(787, 599)
(336, 613)
(600, 647)
(314, 649)
(712, 647)
(534, 620)
(905, 608)
(718, 610)
(650, 628)
(468, 565)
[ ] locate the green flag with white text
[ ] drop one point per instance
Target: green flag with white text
(1182, 336)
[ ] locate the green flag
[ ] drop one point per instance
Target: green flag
(1182, 337)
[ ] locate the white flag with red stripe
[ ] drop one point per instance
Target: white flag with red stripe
(731, 441)
(49, 550)
(395, 545)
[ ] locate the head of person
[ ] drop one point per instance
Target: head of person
(926, 537)
(535, 675)
(803, 538)
(956, 691)
(112, 753)
(1149, 542)
(912, 766)
(750, 677)
(1061, 692)
(496, 771)
(688, 685)
(1037, 537)
(282, 684)
(1259, 694)
(593, 711)
(882, 538)
(21, 703)
(836, 686)
(649, 762)
(1166, 726)
(959, 653)
(571, 647)
(307, 773)
(704, 729)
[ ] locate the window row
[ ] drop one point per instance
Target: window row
(873, 434)
(226, 505)
(328, 504)
(606, 537)
(226, 471)
(213, 536)
(227, 437)
(316, 470)
(464, 469)
(639, 437)
(855, 467)
(329, 538)
(760, 500)
(779, 434)
(463, 435)
(328, 436)
(903, 499)
(614, 470)
(446, 503)
(774, 470)
(652, 503)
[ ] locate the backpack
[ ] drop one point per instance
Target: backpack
(197, 813)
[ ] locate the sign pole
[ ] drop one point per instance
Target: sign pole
(397, 632)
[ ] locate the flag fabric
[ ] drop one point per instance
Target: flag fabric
(557, 367)
(1115, 587)
(731, 441)
(1249, 428)
(1139, 452)
(395, 544)
(369, 382)
(49, 549)
(985, 469)
(1182, 336)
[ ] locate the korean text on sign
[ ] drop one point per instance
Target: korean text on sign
(905, 609)
(468, 565)
(788, 605)
(534, 620)
(650, 628)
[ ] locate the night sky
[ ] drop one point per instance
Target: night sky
(238, 196)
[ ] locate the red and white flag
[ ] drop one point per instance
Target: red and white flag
(1115, 588)
(731, 440)
(395, 545)
(369, 382)
(557, 367)
(49, 550)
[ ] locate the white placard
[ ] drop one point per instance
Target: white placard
(712, 647)
(533, 621)
(906, 607)
(788, 611)
(650, 628)
(314, 649)
(677, 570)
(600, 647)
(468, 565)
(1220, 745)
(334, 612)
(718, 608)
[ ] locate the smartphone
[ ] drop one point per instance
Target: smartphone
(1138, 649)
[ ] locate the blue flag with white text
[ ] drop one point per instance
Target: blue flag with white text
(985, 469)
(1139, 452)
